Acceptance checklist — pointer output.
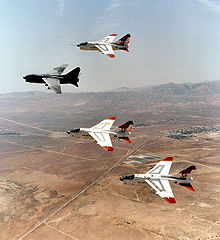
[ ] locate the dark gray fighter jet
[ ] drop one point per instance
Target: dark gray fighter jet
(53, 79)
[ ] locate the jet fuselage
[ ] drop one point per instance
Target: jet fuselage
(34, 78)
(140, 178)
(90, 46)
(84, 133)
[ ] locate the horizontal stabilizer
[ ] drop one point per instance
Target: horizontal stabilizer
(188, 186)
(126, 139)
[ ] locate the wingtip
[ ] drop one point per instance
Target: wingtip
(168, 159)
(107, 148)
(110, 55)
(170, 199)
(111, 118)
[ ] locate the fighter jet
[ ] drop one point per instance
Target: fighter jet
(53, 79)
(102, 131)
(106, 45)
(158, 178)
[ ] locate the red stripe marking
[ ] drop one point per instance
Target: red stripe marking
(126, 50)
(108, 148)
(170, 200)
(111, 55)
(111, 118)
(168, 159)
(113, 35)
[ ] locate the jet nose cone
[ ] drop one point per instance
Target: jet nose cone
(68, 132)
(121, 179)
(24, 77)
(78, 45)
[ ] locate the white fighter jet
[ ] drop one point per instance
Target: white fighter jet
(102, 131)
(106, 45)
(53, 79)
(158, 178)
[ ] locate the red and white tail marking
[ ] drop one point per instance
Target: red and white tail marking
(125, 40)
(127, 126)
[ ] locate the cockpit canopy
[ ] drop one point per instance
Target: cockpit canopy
(128, 177)
(34, 78)
(83, 44)
(75, 130)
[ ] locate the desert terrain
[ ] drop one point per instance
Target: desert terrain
(53, 186)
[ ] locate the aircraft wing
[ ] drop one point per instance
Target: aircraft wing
(106, 48)
(108, 39)
(58, 70)
(54, 84)
(105, 124)
(162, 167)
(162, 188)
(103, 139)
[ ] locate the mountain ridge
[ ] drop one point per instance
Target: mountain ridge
(206, 87)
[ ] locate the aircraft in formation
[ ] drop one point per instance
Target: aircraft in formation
(158, 178)
(102, 131)
(106, 45)
(53, 79)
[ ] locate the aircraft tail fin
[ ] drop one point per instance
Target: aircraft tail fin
(72, 76)
(124, 40)
(126, 127)
(188, 186)
(187, 171)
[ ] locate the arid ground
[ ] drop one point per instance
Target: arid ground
(53, 186)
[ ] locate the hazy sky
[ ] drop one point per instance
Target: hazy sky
(171, 41)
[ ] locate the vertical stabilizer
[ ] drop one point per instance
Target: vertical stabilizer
(124, 40)
(126, 127)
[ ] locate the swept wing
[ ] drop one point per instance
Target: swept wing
(162, 167)
(108, 39)
(105, 124)
(54, 84)
(162, 188)
(103, 139)
(58, 70)
(106, 48)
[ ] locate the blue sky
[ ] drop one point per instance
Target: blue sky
(171, 41)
